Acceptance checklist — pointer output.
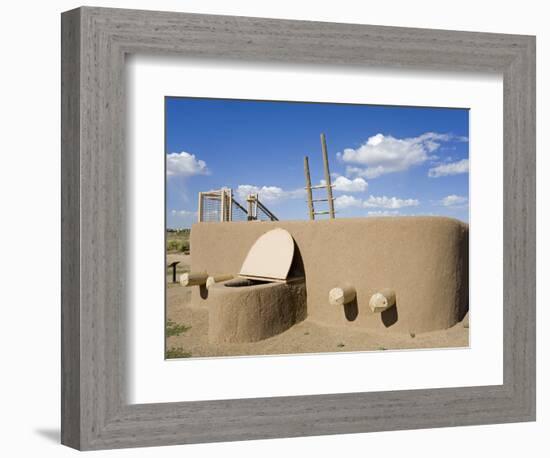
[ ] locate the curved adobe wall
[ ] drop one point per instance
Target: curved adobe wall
(252, 313)
(423, 259)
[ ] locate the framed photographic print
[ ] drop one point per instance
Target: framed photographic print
(286, 228)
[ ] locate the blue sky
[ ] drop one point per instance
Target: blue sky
(384, 160)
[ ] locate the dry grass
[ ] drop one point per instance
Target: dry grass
(177, 352)
(177, 241)
(174, 329)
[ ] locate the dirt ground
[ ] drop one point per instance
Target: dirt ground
(304, 337)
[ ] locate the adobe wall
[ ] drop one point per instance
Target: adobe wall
(423, 259)
(254, 313)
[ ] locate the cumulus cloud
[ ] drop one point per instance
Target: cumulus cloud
(453, 168)
(183, 213)
(181, 218)
(269, 193)
(185, 164)
(453, 200)
(389, 202)
(346, 201)
(383, 213)
(383, 154)
(344, 184)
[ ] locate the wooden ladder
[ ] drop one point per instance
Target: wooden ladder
(328, 185)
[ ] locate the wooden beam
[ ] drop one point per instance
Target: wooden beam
(327, 176)
(341, 295)
(308, 189)
(230, 209)
(193, 279)
(213, 279)
(222, 205)
(321, 186)
(249, 204)
(200, 207)
(266, 210)
(382, 300)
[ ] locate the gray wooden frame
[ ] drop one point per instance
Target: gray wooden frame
(95, 413)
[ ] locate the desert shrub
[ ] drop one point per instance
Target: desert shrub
(178, 241)
(175, 329)
(176, 352)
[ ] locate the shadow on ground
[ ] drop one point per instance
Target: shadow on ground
(53, 435)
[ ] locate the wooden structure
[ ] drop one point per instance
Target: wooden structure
(220, 206)
(256, 209)
(327, 185)
(216, 205)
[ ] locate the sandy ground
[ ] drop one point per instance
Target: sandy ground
(184, 259)
(183, 266)
(305, 337)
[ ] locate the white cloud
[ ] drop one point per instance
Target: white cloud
(183, 213)
(268, 193)
(453, 200)
(274, 194)
(344, 184)
(383, 154)
(454, 168)
(389, 202)
(383, 213)
(182, 218)
(346, 201)
(184, 164)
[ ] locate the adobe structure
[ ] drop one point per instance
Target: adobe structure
(396, 274)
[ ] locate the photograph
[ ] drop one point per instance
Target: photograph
(300, 227)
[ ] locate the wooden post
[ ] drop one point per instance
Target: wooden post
(249, 207)
(230, 212)
(382, 300)
(341, 296)
(193, 279)
(308, 188)
(254, 206)
(327, 176)
(222, 205)
(173, 266)
(200, 207)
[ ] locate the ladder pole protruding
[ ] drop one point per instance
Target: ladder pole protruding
(249, 202)
(327, 176)
(201, 209)
(308, 189)
(222, 205)
(230, 193)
